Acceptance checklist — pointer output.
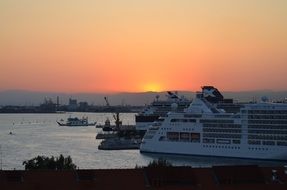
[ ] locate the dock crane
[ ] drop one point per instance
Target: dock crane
(116, 115)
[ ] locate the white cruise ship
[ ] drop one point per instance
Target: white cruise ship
(257, 131)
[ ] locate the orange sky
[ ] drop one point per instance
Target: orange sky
(129, 45)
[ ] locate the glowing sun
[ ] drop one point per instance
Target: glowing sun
(152, 87)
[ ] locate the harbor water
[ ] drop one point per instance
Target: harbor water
(25, 136)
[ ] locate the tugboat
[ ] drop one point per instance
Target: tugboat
(76, 122)
(108, 127)
(119, 144)
(118, 136)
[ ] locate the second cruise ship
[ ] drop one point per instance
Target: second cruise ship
(176, 103)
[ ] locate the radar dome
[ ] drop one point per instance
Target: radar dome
(174, 106)
(264, 99)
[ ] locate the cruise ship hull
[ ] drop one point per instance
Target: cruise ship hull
(182, 148)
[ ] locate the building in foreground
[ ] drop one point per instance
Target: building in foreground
(217, 177)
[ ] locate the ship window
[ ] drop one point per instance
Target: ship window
(236, 141)
(267, 137)
(282, 143)
(268, 143)
(267, 131)
(215, 121)
(195, 137)
(214, 135)
(173, 136)
(184, 136)
(175, 120)
(193, 115)
(264, 120)
(221, 125)
(223, 141)
(183, 120)
(254, 142)
(206, 140)
(222, 130)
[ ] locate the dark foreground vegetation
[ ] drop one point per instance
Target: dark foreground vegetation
(52, 163)
(158, 174)
(159, 163)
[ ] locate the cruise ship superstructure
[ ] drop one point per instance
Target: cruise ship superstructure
(160, 108)
(176, 103)
(257, 131)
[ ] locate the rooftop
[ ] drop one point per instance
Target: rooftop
(217, 177)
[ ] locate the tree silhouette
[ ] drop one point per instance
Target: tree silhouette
(43, 162)
(160, 163)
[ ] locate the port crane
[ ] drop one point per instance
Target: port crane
(116, 115)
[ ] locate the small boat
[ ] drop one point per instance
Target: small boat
(74, 121)
(106, 135)
(119, 144)
(108, 127)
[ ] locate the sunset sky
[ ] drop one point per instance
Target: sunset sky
(142, 45)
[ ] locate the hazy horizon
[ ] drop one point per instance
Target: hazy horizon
(27, 98)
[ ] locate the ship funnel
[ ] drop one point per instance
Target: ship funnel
(212, 94)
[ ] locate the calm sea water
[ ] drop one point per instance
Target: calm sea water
(39, 134)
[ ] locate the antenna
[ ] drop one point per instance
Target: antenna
(157, 97)
(58, 103)
(107, 101)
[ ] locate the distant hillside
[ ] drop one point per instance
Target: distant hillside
(21, 97)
